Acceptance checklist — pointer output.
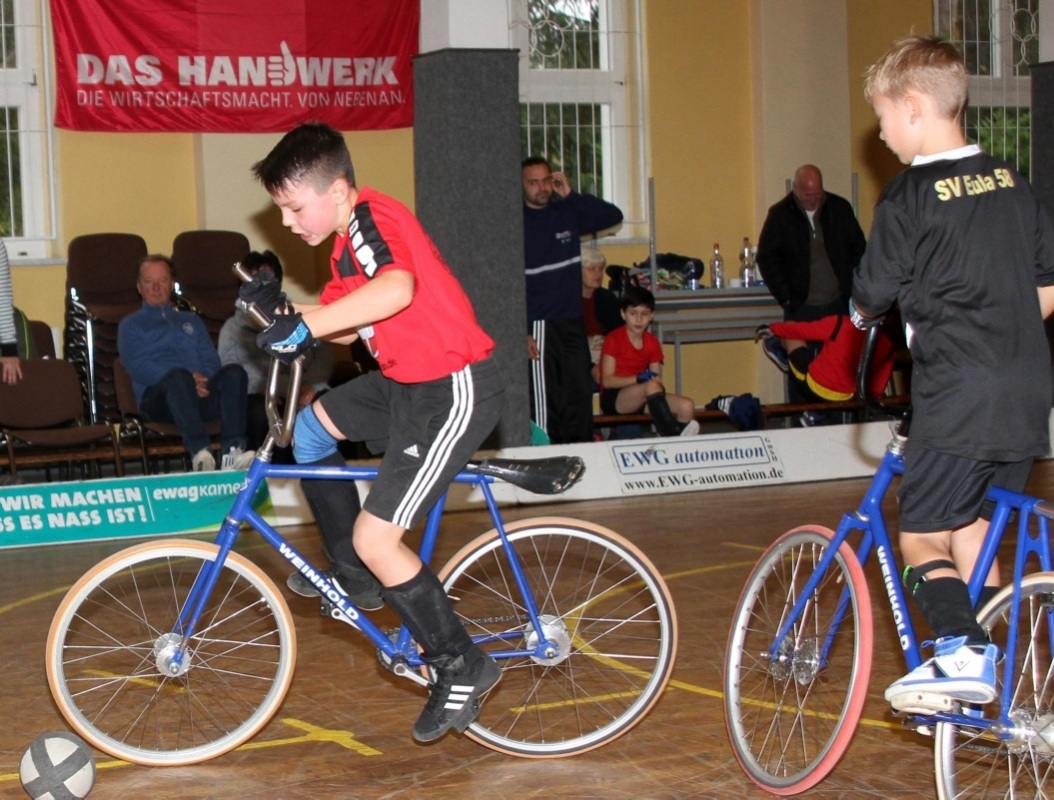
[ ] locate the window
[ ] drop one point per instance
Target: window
(999, 40)
(26, 176)
(580, 93)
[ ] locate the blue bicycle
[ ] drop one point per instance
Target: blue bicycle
(176, 651)
(799, 652)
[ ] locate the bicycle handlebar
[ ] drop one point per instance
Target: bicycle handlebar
(281, 425)
(873, 404)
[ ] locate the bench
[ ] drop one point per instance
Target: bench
(768, 411)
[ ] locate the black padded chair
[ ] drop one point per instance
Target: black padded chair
(100, 292)
(42, 421)
(203, 261)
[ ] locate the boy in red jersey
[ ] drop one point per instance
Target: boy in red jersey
(437, 396)
(827, 375)
(630, 371)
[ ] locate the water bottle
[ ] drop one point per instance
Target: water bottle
(693, 271)
(746, 263)
(717, 269)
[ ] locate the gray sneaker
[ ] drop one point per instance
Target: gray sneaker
(236, 458)
(203, 461)
(364, 593)
(691, 428)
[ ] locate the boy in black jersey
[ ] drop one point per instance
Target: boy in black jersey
(962, 243)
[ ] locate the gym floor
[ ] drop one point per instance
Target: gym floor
(344, 728)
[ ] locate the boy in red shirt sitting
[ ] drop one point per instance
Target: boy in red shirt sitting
(630, 371)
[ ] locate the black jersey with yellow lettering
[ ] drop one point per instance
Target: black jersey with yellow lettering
(962, 244)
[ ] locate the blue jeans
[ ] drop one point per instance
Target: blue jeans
(174, 399)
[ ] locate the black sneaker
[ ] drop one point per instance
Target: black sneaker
(364, 593)
(455, 695)
(810, 419)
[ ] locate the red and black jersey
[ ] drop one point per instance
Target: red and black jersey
(962, 243)
(437, 334)
(832, 373)
(628, 359)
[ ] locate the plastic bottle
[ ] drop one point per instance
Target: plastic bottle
(746, 263)
(717, 269)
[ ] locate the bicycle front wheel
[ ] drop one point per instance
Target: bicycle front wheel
(1016, 760)
(113, 636)
(791, 706)
(602, 604)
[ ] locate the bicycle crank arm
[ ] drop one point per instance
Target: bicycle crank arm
(404, 671)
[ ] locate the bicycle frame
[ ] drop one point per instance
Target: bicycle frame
(399, 648)
(540, 593)
(1033, 542)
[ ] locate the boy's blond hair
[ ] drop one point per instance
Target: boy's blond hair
(923, 64)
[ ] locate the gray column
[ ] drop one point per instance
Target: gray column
(468, 197)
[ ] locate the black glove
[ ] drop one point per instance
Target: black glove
(286, 338)
(762, 332)
(264, 291)
(860, 321)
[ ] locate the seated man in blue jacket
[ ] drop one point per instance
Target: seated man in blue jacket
(176, 372)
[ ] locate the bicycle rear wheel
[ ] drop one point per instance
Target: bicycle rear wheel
(604, 605)
(1017, 761)
(790, 715)
(111, 638)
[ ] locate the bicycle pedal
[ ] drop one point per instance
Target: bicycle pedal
(920, 702)
(469, 718)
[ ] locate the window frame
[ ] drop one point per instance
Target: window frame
(615, 86)
(27, 87)
(1001, 89)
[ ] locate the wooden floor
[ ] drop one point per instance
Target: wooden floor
(344, 729)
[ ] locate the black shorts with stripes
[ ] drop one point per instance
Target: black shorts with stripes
(427, 431)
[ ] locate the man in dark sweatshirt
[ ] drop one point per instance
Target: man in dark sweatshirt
(561, 385)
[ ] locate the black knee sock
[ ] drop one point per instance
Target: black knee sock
(661, 413)
(422, 604)
(987, 593)
(335, 505)
(945, 603)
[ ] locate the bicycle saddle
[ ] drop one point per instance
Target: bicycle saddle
(538, 475)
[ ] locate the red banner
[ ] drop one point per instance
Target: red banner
(234, 66)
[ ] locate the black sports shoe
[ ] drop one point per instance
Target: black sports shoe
(454, 699)
(364, 592)
(810, 419)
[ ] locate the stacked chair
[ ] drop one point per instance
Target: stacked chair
(100, 291)
(205, 282)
